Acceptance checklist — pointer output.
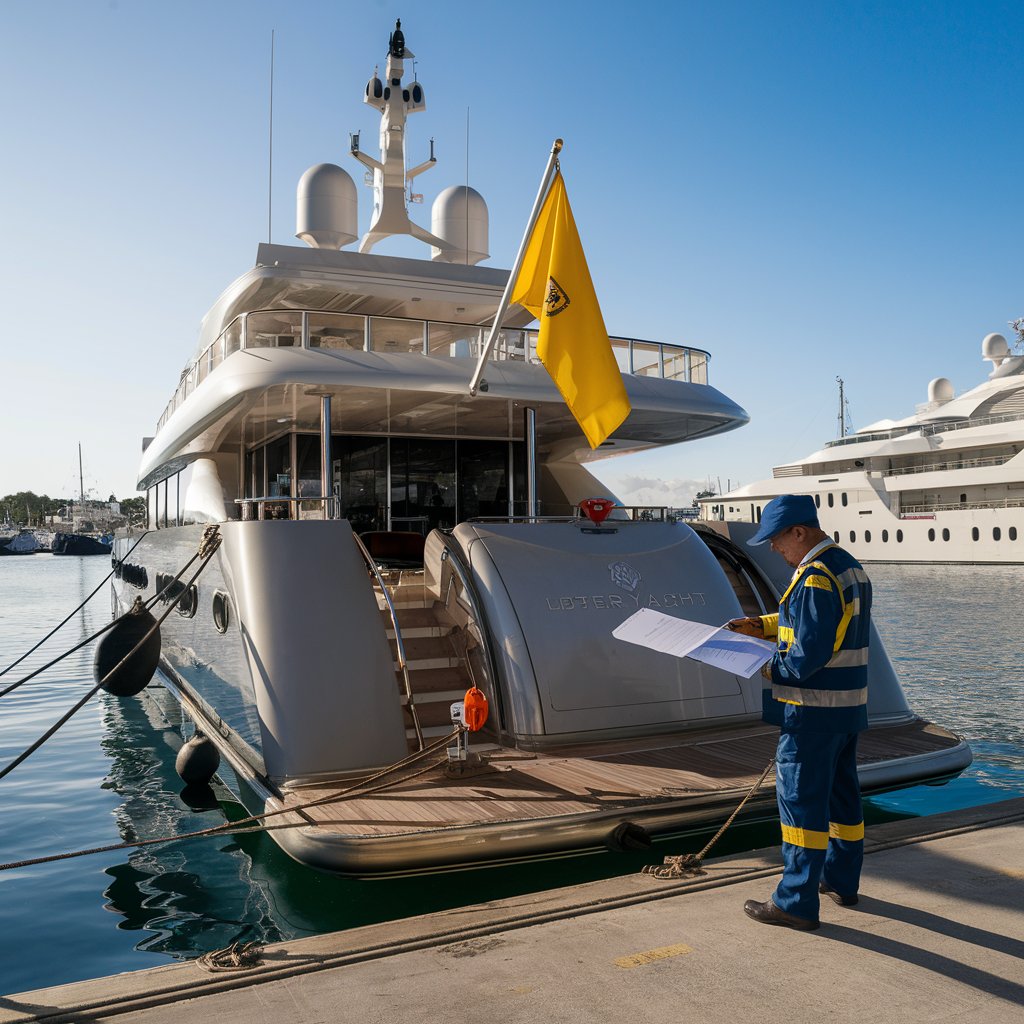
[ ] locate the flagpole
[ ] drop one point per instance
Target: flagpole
(474, 384)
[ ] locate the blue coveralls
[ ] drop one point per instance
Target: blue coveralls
(818, 697)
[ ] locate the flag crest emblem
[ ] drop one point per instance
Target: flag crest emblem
(557, 300)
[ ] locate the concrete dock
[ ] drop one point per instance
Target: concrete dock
(938, 935)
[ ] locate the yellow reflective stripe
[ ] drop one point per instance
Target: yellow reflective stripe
(849, 659)
(851, 832)
(805, 837)
(820, 698)
(818, 581)
(770, 625)
(786, 635)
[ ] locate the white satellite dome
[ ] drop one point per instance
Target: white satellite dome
(326, 215)
(995, 349)
(940, 391)
(459, 216)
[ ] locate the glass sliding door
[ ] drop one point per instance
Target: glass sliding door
(360, 474)
(423, 491)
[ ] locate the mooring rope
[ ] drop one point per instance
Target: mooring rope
(63, 622)
(207, 547)
(239, 956)
(241, 827)
(684, 864)
(209, 532)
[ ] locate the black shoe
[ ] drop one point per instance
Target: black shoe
(768, 913)
(843, 901)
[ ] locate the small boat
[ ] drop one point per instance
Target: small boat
(24, 543)
(81, 544)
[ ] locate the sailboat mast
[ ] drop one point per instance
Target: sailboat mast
(81, 479)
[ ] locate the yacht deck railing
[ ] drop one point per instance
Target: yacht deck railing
(912, 510)
(310, 329)
(928, 429)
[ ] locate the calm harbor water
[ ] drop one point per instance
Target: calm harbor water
(108, 776)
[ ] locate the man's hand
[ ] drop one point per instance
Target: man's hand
(749, 627)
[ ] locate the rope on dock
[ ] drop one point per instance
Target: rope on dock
(688, 865)
(239, 956)
(207, 548)
(242, 826)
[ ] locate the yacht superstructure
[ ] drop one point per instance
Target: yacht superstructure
(943, 485)
(389, 541)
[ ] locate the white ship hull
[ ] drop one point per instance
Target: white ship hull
(943, 486)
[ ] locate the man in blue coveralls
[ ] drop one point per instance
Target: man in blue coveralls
(818, 698)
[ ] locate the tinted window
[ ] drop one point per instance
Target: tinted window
(945, 534)
(844, 498)
(899, 536)
(1012, 533)
(885, 536)
(931, 535)
(831, 501)
(867, 536)
(974, 534)
(996, 533)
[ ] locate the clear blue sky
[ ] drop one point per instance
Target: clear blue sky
(805, 189)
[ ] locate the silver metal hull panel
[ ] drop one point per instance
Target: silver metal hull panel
(554, 592)
(306, 651)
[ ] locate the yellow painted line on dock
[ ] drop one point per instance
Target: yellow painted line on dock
(652, 955)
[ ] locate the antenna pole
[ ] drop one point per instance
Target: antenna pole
(842, 415)
(270, 157)
(545, 182)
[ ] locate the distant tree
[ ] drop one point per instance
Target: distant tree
(133, 507)
(1018, 329)
(709, 493)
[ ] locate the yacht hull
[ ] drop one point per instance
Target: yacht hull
(297, 689)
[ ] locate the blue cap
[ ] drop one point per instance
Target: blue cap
(783, 512)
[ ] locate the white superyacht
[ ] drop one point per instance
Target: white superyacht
(389, 541)
(943, 485)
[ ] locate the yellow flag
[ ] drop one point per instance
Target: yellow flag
(554, 285)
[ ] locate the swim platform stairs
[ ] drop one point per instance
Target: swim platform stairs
(442, 658)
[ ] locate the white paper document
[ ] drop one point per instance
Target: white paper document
(713, 645)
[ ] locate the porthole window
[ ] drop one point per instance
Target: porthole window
(853, 536)
(899, 536)
(844, 499)
(945, 534)
(931, 535)
(817, 501)
(996, 533)
(221, 611)
(188, 602)
(836, 536)
(831, 500)
(885, 536)
(1012, 533)
(867, 536)
(974, 534)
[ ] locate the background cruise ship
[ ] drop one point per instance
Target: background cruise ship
(943, 485)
